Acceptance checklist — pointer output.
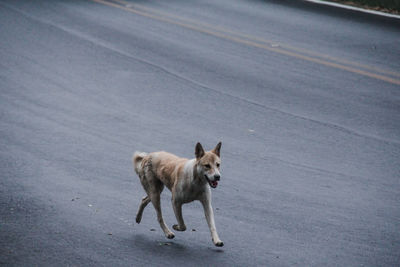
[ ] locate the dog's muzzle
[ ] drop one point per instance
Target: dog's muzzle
(213, 183)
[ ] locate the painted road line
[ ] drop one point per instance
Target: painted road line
(257, 39)
(235, 37)
(374, 12)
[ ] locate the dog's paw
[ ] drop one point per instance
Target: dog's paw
(138, 219)
(178, 228)
(219, 243)
(170, 235)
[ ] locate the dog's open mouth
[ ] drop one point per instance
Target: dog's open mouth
(213, 184)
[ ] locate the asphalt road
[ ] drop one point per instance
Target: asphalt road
(305, 99)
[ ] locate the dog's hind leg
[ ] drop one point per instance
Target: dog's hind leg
(155, 199)
(153, 188)
(146, 200)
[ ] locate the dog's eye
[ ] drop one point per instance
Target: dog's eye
(217, 165)
(208, 166)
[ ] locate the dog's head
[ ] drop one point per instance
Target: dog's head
(208, 164)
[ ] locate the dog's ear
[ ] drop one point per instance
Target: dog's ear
(199, 151)
(217, 149)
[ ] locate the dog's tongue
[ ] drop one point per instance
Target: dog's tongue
(214, 184)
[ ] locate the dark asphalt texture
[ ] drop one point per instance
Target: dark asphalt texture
(305, 99)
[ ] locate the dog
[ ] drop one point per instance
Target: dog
(188, 180)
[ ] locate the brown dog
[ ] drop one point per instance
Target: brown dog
(188, 180)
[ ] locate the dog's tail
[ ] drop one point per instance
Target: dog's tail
(137, 160)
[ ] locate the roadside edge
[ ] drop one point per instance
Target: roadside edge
(374, 12)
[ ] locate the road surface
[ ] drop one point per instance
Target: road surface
(305, 99)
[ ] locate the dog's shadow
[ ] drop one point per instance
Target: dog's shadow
(171, 248)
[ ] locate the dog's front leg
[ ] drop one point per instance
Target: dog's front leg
(177, 205)
(208, 211)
